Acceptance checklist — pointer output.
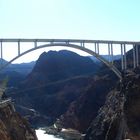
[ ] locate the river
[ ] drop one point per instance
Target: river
(42, 136)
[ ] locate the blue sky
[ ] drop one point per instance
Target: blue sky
(75, 19)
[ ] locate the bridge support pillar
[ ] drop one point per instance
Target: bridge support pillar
(122, 57)
(109, 52)
(137, 56)
(18, 48)
(1, 54)
(125, 60)
(112, 61)
(134, 56)
(82, 44)
(1, 50)
(97, 48)
(35, 44)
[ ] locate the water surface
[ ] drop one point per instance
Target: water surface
(42, 136)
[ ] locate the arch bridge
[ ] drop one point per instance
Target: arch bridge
(94, 49)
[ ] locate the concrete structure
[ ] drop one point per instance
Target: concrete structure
(72, 43)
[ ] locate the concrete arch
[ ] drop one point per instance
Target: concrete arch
(111, 66)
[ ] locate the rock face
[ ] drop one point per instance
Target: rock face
(106, 124)
(13, 126)
(132, 106)
(119, 118)
(82, 111)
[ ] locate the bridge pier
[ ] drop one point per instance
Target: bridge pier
(137, 56)
(95, 48)
(125, 60)
(112, 61)
(134, 56)
(1, 54)
(122, 57)
(1, 50)
(18, 48)
(35, 44)
(109, 52)
(82, 44)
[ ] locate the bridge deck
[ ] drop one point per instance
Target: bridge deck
(68, 40)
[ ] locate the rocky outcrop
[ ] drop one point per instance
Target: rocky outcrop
(118, 119)
(132, 105)
(12, 125)
(82, 111)
(105, 126)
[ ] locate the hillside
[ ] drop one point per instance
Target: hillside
(12, 125)
(57, 79)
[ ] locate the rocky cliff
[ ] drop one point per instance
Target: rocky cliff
(82, 111)
(119, 118)
(12, 125)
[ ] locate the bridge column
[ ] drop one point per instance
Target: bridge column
(122, 56)
(112, 53)
(109, 52)
(137, 56)
(18, 48)
(125, 61)
(67, 42)
(1, 54)
(35, 44)
(52, 41)
(95, 48)
(134, 56)
(1, 50)
(98, 48)
(82, 44)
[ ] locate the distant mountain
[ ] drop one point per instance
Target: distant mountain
(107, 57)
(55, 66)
(22, 68)
(15, 72)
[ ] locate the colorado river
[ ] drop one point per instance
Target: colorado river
(42, 136)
